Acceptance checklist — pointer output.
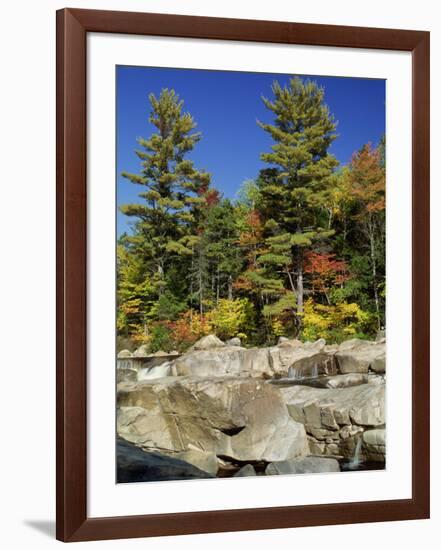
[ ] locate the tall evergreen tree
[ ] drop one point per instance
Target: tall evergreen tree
(173, 188)
(221, 238)
(292, 190)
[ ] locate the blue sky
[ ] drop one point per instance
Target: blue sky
(226, 105)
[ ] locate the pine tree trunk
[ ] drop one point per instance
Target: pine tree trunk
(330, 217)
(200, 281)
(161, 276)
(191, 282)
(300, 298)
(201, 307)
(230, 287)
(300, 292)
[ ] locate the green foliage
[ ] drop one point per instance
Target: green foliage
(334, 323)
(302, 131)
(292, 192)
(230, 317)
(249, 194)
(167, 307)
(286, 303)
(300, 252)
(136, 292)
(174, 195)
(160, 338)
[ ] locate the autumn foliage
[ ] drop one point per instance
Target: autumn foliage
(299, 252)
(326, 271)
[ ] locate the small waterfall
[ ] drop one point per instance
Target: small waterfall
(355, 462)
(150, 373)
(125, 363)
(303, 373)
(294, 373)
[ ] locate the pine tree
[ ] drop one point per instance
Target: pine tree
(173, 189)
(221, 236)
(292, 191)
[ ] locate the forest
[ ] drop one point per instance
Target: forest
(300, 251)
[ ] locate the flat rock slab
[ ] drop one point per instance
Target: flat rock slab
(277, 361)
(328, 408)
(336, 381)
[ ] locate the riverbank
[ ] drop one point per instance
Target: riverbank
(225, 410)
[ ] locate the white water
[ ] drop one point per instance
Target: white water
(299, 374)
(150, 373)
(294, 373)
(126, 363)
(356, 461)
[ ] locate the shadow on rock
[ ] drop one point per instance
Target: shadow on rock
(134, 465)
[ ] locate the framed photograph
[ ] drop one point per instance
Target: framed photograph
(242, 274)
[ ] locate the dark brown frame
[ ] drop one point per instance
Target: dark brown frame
(72, 28)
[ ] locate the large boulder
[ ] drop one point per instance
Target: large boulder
(306, 465)
(124, 353)
(142, 351)
(234, 342)
(293, 342)
(361, 357)
(229, 360)
(318, 345)
(208, 342)
(135, 465)
(379, 362)
(334, 418)
(374, 445)
(126, 375)
(294, 359)
(312, 366)
(354, 343)
(240, 418)
(363, 405)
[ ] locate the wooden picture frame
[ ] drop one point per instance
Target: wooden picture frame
(72, 28)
